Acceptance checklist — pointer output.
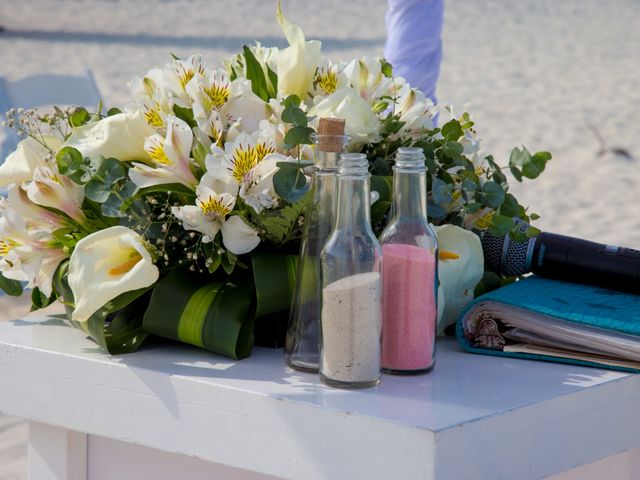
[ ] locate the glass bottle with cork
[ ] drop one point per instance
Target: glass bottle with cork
(410, 276)
(351, 293)
(302, 346)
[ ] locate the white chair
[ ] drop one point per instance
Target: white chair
(41, 91)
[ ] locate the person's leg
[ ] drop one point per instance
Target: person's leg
(414, 44)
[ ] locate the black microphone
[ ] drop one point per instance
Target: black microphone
(564, 258)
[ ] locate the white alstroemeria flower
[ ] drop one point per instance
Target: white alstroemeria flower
(35, 217)
(177, 74)
(251, 161)
(171, 156)
(120, 136)
(152, 98)
(296, 64)
(51, 189)
(415, 110)
(30, 154)
(216, 198)
(217, 102)
(106, 264)
(365, 75)
(26, 255)
(329, 77)
(460, 268)
(362, 124)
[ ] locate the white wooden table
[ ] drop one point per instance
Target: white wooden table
(172, 411)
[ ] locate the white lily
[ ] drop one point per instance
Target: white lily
(329, 77)
(251, 161)
(216, 198)
(362, 124)
(120, 136)
(30, 154)
(297, 63)
(152, 98)
(171, 157)
(416, 112)
(106, 264)
(51, 189)
(460, 268)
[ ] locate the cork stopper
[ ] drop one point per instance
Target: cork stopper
(330, 134)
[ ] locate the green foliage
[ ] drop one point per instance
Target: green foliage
(10, 287)
(265, 90)
(110, 187)
(289, 182)
(282, 226)
(186, 114)
(73, 165)
(523, 164)
(79, 117)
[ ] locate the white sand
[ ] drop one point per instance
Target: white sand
(537, 72)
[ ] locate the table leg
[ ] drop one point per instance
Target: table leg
(56, 453)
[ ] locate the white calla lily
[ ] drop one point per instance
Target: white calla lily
(30, 154)
(51, 189)
(296, 64)
(460, 268)
(171, 156)
(119, 136)
(106, 264)
(362, 124)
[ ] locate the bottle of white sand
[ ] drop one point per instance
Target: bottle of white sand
(351, 296)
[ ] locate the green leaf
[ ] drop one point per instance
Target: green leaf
(173, 188)
(501, 225)
(274, 276)
(256, 75)
(441, 191)
(291, 101)
(10, 287)
(273, 79)
(103, 182)
(112, 207)
(535, 164)
(69, 160)
(289, 182)
(379, 210)
(382, 185)
(294, 115)
(186, 114)
(79, 117)
(493, 194)
(452, 131)
(386, 68)
(200, 310)
(299, 135)
(510, 206)
(453, 149)
(113, 111)
(40, 300)
(279, 225)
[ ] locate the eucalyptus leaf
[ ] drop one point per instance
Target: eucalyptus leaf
(501, 225)
(289, 182)
(452, 131)
(294, 115)
(299, 135)
(79, 117)
(10, 287)
(493, 194)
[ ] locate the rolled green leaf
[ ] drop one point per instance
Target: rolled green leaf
(275, 278)
(215, 315)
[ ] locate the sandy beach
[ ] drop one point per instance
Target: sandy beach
(557, 76)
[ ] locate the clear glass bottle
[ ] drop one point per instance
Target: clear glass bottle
(351, 293)
(302, 345)
(410, 272)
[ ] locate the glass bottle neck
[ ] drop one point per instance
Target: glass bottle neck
(353, 214)
(409, 195)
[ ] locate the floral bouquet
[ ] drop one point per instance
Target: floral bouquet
(181, 215)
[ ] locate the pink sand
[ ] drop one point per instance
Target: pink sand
(408, 307)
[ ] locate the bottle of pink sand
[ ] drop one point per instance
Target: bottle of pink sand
(409, 272)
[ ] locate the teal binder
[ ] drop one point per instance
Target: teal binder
(603, 314)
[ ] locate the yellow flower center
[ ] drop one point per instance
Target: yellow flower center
(328, 81)
(245, 159)
(152, 115)
(126, 265)
(215, 208)
(217, 95)
(158, 155)
(445, 255)
(6, 245)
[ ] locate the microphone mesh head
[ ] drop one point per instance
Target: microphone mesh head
(504, 255)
